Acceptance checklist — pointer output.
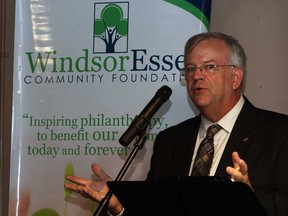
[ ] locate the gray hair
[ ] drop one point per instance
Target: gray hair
(237, 53)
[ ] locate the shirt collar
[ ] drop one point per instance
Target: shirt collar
(226, 122)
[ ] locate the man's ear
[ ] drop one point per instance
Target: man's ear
(238, 74)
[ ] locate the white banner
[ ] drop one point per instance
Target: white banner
(83, 70)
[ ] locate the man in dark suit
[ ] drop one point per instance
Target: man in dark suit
(257, 140)
(248, 137)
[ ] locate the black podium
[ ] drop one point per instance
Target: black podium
(187, 196)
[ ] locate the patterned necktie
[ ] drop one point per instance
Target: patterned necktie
(205, 153)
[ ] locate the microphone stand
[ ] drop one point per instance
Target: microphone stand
(137, 145)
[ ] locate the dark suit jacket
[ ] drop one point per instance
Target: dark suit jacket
(259, 136)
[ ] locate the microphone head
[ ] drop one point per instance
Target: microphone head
(140, 123)
(164, 92)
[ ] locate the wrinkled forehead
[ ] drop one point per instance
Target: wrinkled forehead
(208, 50)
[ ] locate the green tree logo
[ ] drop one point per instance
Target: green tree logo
(111, 27)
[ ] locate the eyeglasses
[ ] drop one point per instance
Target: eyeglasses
(206, 69)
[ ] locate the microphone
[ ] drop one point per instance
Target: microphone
(141, 122)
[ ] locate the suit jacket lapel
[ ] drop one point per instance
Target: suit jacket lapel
(184, 149)
(240, 137)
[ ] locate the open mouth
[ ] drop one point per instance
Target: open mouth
(198, 89)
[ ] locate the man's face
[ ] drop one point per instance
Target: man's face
(216, 90)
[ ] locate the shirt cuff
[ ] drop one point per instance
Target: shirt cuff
(120, 214)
